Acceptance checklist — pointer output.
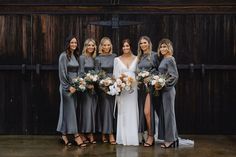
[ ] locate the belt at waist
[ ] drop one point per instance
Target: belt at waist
(72, 69)
(87, 69)
(107, 70)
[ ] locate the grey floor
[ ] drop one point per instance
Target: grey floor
(49, 146)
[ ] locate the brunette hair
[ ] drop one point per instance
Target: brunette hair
(126, 41)
(67, 47)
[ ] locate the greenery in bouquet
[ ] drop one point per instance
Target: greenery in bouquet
(79, 84)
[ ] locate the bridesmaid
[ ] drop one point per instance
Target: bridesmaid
(105, 61)
(68, 69)
(147, 61)
(168, 132)
(88, 104)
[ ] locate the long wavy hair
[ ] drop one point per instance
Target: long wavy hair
(169, 47)
(101, 44)
(67, 47)
(140, 51)
(84, 52)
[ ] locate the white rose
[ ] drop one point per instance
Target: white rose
(153, 82)
(156, 77)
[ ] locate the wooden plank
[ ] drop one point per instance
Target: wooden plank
(120, 9)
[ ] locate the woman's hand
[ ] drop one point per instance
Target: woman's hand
(157, 86)
(72, 90)
(90, 86)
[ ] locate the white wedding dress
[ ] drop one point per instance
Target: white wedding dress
(127, 106)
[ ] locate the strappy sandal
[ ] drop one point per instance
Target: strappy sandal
(146, 144)
(82, 144)
(84, 138)
(68, 143)
(171, 145)
(91, 139)
(104, 139)
(112, 142)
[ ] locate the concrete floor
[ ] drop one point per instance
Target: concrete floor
(48, 146)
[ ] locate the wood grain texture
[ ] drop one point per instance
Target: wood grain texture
(36, 35)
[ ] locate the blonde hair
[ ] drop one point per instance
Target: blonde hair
(169, 46)
(140, 51)
(84, 52)
(102, 42)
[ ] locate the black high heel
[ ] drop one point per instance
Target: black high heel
(82, 144)
(91, 139)
(85, 139)
(104, 139)
(68, 143)
(149, 144)
(172, 145)
(177, 143)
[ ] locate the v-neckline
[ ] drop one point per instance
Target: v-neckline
(130, 63)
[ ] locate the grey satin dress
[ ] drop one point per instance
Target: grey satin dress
(148, 63)
(167, 129)
(68, 69)
(106, 102)
(88, 104)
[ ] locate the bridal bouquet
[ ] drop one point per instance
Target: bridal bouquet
(122, 83)
(79, 84)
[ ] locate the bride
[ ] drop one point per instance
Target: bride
(127, 103)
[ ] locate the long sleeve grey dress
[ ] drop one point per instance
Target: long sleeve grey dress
(68, 69)
(106, 102)
(88, 104)
(168, 130)
(148, 63)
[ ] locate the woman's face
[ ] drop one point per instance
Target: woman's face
(73, 44)
(90, 48)
(126, 48)
(106, 46)
(144, 45)
(164, 49)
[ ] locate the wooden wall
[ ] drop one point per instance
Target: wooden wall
(32, 35)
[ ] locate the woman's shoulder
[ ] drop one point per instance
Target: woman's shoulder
(116, 58)
(170, 60)
(154, 54)
(62, 55)
(135, 57)
(113, 55)
(82, 56)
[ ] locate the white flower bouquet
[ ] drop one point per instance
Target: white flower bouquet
(143, 77)
(105, 84)
(158, 81)
(123, 83)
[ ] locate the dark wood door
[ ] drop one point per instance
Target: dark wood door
(32, 39)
